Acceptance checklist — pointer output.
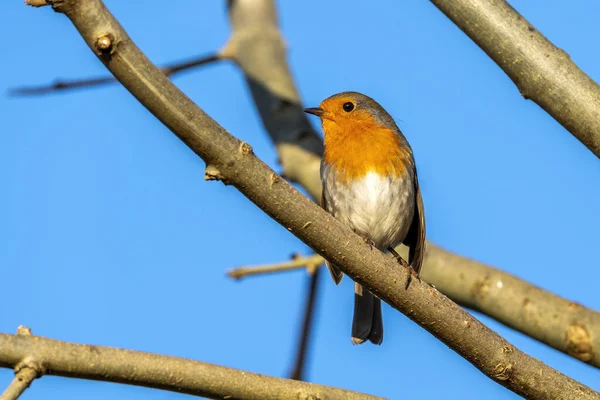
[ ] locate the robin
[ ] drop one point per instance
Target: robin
(370, 184)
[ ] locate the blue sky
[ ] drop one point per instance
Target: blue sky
(110, 235)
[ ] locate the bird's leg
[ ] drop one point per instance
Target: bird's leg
(403, 263)
(369, 242)
(398, 257)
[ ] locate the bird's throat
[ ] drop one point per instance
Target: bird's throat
(354, 154)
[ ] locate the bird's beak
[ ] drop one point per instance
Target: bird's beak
(318, 111)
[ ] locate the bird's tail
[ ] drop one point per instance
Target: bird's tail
(367, 323)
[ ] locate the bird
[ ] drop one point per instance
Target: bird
(369, 181)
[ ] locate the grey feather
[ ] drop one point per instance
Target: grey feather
(336, 273)
(415, 239)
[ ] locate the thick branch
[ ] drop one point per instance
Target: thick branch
(563, 324)
(541, 71)
(237, 165)
(157, 371)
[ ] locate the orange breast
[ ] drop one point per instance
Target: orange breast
(359, 148)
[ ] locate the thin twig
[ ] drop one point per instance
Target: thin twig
(19, 384)
(295, 263)
(62, 85)
(298, 371)
(240, 167)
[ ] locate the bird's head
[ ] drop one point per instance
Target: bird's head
(352, 113)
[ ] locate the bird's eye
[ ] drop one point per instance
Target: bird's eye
(349, 106)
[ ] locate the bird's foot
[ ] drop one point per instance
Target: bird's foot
(405, 264)
(411, 272)
(369, 242)
(398, 257)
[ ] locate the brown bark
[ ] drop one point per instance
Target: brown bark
(158, 371)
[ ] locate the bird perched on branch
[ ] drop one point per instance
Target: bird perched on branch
(370, 184)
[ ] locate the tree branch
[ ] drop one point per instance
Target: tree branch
(24, 375)
(236, 164)
(560, 323)
(297, 262)
(299, 366)
(25, 372)
(60, 85)
(542, 72)
(157, 371)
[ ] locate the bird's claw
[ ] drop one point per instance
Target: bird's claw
(411, 271)
(369, 242)
(404, 264)
(398, 257)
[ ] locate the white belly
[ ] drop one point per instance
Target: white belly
(375, 207)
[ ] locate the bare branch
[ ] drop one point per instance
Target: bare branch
(175, 68)
(25, 372)
(24, 375)
(305, 333)
(157, 371)
(542, 72)
(61, 85)
(563, 324)
(235, 161)
(310, 262)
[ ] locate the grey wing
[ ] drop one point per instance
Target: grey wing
(415, 240)
(336, 273)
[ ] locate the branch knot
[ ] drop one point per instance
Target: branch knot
(211, 173)
(245, 149)
(105, 44)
